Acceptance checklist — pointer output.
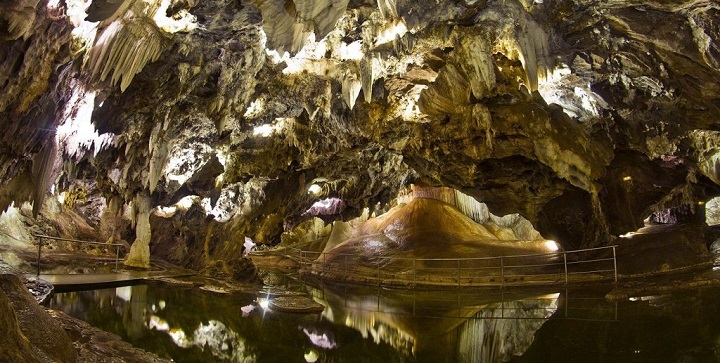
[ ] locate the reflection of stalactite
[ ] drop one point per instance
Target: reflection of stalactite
(42, 172)
(505, 331)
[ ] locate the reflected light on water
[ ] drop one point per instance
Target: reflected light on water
(320, 340)
(311, 356)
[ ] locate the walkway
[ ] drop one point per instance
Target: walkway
(90, 281)
(554, 268)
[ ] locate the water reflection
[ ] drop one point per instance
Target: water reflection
(377, 325)
(473, 326)
(192, 326)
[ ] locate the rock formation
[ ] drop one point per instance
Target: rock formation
(213, 121)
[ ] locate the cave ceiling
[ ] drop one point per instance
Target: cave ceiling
(558, 109)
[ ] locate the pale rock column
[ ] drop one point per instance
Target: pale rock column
(139, 255)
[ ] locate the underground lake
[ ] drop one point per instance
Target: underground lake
(370, 324)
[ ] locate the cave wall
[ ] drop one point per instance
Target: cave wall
(241, 107)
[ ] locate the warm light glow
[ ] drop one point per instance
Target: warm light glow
(576, 101)
(398, 29)
(180, 22)
(311, 356)
(184, 162)
(263, 130)
(186, 202)
(411, 111)
(269, 129)
(552, 245)
(627, 235)
(314, 189)
(351, 51)
(627, 178)
(221, 214)
(124, 292)
(264, 303)
(183, 204)
(53, 4)
(255, 109)
(76, 133)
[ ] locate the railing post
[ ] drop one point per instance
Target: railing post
(565, 263)
(117, 257)
(345, 268)
(614, 263)
(458, 273)
(38, 258)
(378, 278)
(502, 272)
(414, 278)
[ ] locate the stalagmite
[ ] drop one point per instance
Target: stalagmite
(139, 255)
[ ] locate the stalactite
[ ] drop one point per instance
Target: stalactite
(367, 77)
(534, 55)
(477, 53)
(322, 13)
(123, 49)
(472, 208)
(20, 18)
(483, 118)
(42, 172)
(351, 87)
(520, 227)
(388, 8)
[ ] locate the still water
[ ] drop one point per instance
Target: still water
(379, 325)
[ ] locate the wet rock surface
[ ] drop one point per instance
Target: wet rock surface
(46, 337)
(295, 304)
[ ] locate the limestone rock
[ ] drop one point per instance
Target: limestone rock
(39, 330)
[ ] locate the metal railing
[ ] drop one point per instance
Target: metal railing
(540, 269)
(40, 238)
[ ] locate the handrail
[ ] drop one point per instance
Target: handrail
(60, 239)
(79, 241)
(340, 265)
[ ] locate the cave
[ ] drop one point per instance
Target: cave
(220, 170)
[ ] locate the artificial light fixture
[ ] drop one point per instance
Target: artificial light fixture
(552, 245)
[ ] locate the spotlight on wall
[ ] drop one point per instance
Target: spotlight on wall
(314, 189)
(552, 245)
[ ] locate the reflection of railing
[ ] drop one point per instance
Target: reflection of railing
(463, 304)
(40, 238)
(564, 267)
